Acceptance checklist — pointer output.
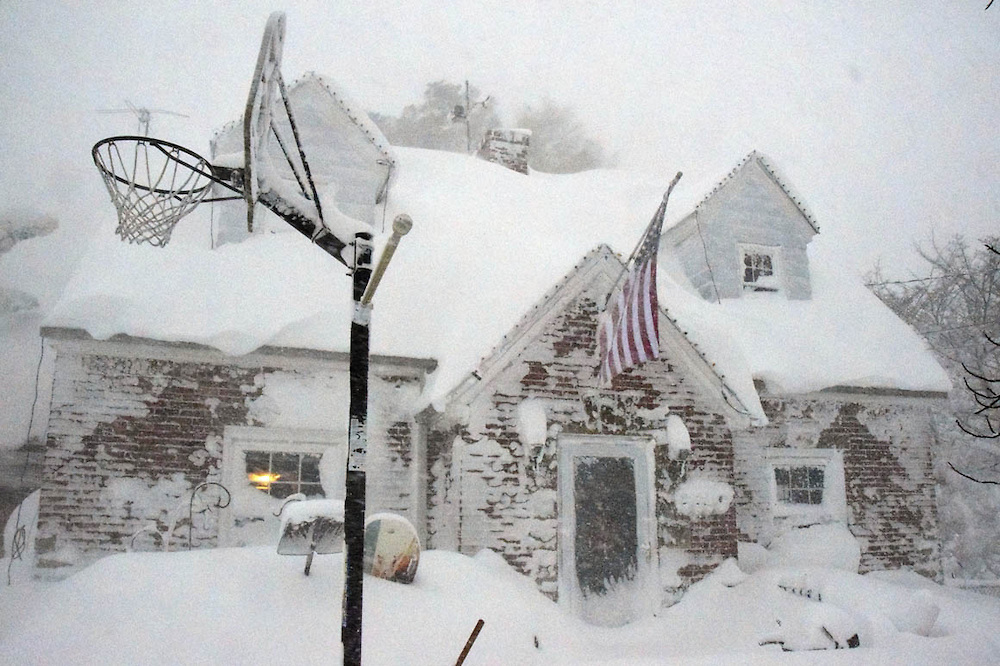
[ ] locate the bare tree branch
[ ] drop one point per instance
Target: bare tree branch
(972, 478)
(956, 307)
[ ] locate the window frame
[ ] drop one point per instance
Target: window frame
(776, 282)
(237, 440)
(833, 506)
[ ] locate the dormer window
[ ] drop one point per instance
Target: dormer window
(759, 264)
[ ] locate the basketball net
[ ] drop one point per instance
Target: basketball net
(153, 186)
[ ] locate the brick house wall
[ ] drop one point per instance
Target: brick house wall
(489, 488)
(886, 442)
(136, 425)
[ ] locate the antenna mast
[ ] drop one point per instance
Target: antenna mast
(143, 114)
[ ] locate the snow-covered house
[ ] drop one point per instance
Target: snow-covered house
(785, 393)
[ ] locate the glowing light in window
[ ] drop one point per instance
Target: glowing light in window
(263, 480)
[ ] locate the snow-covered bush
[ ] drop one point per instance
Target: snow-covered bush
(815, 626)
(886, 608)
(830, 545)
(967, 511)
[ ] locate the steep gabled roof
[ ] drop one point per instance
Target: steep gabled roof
(755, 157)
(599, 261)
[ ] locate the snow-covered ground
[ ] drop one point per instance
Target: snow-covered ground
(250, 606)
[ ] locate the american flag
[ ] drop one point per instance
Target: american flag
(628, 331)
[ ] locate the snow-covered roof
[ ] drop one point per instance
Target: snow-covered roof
(779, 180)
(486, 246)
(843, 336)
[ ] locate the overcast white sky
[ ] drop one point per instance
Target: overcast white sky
(883, 116)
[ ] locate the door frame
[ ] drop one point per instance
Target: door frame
(640, 451)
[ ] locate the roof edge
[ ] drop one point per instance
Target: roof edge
(886, 392)
(68, 334)
(755, 156)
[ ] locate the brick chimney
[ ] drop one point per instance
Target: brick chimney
(508, 147)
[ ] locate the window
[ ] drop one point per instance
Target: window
(280, 474)
(806, 485)
(757, 266)
(760, 268)
(262, 467)
(799, 484)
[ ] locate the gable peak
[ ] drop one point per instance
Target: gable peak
(754, 157)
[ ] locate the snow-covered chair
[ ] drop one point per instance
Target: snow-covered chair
(311, 526)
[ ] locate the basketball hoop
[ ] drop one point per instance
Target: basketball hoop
(152, 183)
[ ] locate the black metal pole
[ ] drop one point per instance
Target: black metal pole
(357, 449)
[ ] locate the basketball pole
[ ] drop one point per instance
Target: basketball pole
(357, 450)
(365, 283)
(151, 217)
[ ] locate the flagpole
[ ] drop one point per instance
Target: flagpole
(628, 331)
(657, 219)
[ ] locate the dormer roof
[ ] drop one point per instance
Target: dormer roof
(754, 157)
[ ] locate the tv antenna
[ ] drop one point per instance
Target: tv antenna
(143, 114)
(462, 114)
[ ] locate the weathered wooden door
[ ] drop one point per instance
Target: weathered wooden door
(607, 563)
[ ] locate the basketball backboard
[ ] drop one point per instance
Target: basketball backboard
(309, 155)
(349, 159)
(264, 90)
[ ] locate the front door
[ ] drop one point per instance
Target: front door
(607, 555)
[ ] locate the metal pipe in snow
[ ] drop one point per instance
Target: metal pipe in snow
(400, 227)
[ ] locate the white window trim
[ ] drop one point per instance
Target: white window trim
(238, 439)
(778, 278)
(834, 505)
